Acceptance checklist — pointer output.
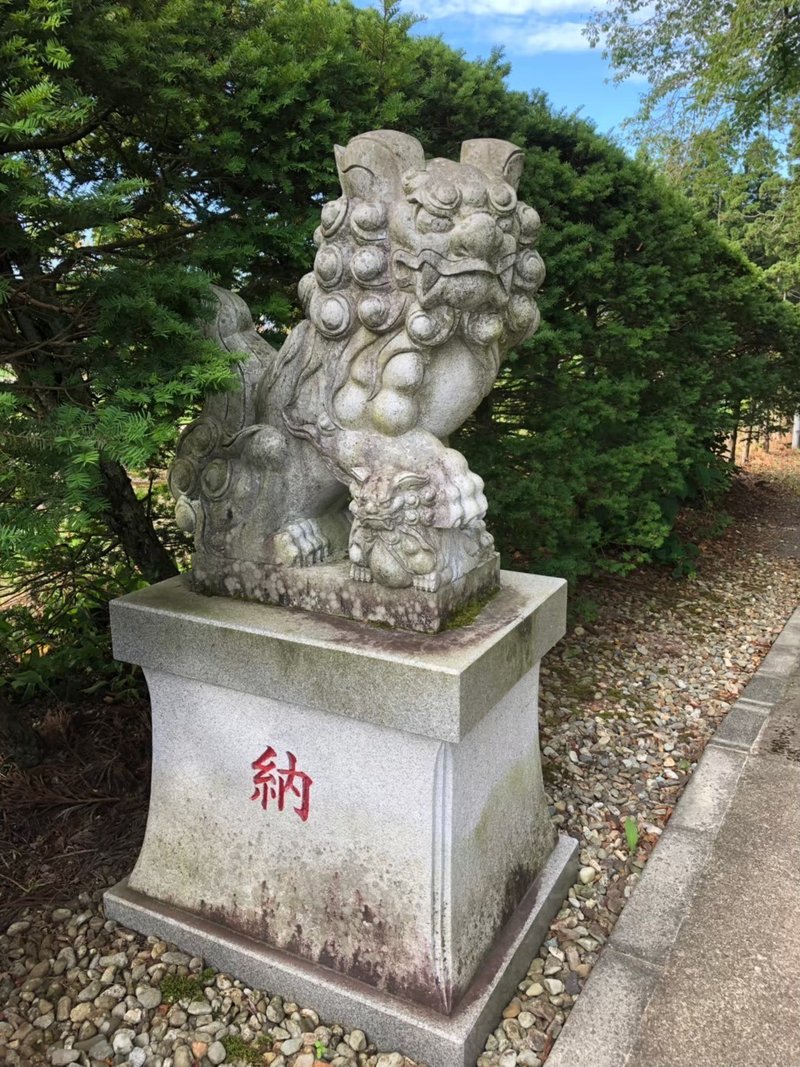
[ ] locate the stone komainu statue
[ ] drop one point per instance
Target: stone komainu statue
(335, 447)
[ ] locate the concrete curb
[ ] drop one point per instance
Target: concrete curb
(604, 1024)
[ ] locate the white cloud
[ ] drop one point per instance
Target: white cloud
(438, 9)
(537, 35)
(523, 26)
(553, 37)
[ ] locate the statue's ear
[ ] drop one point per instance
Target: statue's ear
(372, 165)
(497, 159)
(409, 480)
(338, 155)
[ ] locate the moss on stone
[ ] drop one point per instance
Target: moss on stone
(468, 613)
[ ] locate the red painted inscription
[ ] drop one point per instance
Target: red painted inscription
(273, 783)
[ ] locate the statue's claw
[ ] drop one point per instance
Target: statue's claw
(302, 544)
(427, 583)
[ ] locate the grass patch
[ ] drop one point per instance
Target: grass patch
(175, 987)
(238, 1050)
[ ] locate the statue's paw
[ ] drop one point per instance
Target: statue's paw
(302, 544)
(359, 573)
(483, 539)
(427, 583)
(471, 500)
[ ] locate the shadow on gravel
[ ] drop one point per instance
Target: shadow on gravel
(74, 822)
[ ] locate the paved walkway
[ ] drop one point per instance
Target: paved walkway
(703, 968)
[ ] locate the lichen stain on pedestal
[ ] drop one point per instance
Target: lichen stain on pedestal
(374, 959)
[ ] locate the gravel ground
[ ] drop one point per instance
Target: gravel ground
(628, 703)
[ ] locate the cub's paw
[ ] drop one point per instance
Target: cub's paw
(359, 573)
(427, 583)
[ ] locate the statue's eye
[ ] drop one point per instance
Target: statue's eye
(428, 223)
(502, 198)
(444, 197)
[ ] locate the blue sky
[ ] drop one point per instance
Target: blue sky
(544, 41)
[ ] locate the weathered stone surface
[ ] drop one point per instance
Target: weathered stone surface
(390, 845)
(424, 277)
(709, 793)
(328, 588)
(439, 686)
(429, 1037)
(603, 1024)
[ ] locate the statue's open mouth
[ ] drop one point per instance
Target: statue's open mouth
(450, 267)
(434, 269)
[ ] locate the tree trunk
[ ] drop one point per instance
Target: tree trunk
(128, 521)
(737, 414)
(747, 442)
(796, 431)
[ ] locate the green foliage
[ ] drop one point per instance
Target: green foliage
(701, 58)
(614, 418)
(240, 1051)
(56, 639)
(148, 148)
(631, 833)
(468, 613)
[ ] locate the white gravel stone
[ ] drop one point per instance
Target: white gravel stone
(357, 1040)
(81, 1012)
(122, 1041)
(554, 986)
(148, 997)
(61, 1057)
(390, 1059)
(216, 1053)
(182, 1056)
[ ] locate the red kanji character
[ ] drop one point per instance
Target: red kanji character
(288, 783)
(273, 783)
(263, 779)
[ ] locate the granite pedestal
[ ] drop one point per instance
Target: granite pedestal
(348, 816)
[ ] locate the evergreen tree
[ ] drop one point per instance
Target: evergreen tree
(149, 147)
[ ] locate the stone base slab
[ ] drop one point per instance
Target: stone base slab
(437, 1040)
(329, 589)
(440, 686)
